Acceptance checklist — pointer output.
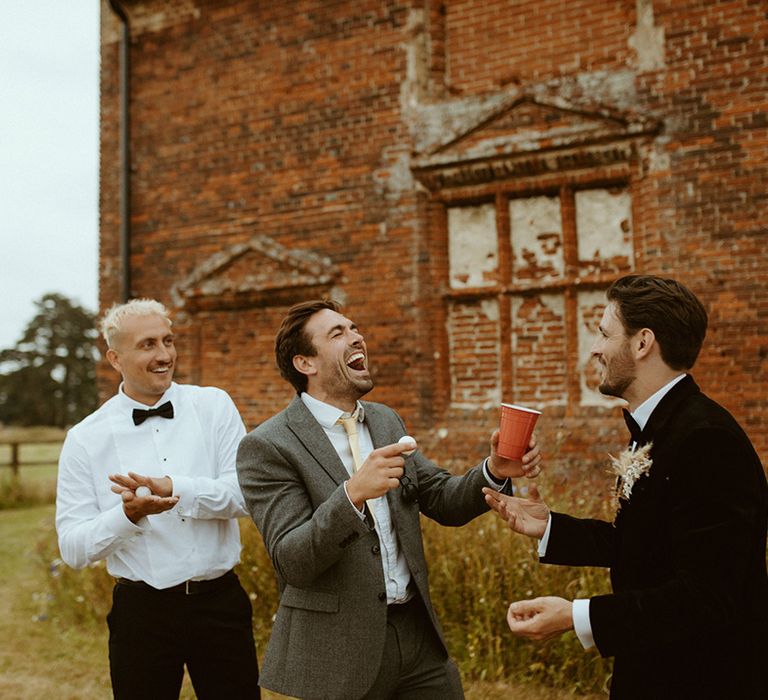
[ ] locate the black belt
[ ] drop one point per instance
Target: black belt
(186, 588)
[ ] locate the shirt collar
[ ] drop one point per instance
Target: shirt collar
(643, 412)
(128, 404)
(328, 415)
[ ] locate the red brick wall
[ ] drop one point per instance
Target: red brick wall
(713, 202)
(295, 120)
(474, 354)
(493, 43)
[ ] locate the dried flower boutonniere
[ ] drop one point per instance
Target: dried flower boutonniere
(629, 466)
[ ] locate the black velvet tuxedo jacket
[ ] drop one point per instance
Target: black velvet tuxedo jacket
(688, 616)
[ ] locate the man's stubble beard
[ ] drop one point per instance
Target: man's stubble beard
(619, 376)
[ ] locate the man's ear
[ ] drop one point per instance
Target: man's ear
(114, 359)
(644, 342)
(304, 365)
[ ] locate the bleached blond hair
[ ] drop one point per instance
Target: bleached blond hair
(111, 324)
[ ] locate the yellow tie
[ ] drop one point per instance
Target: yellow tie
(350, 426)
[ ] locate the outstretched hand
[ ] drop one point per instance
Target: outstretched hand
(527, 516)
(136, 507)
(540, 618)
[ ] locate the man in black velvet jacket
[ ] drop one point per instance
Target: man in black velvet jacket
(688, 616)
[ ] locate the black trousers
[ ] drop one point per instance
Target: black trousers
(153, 634)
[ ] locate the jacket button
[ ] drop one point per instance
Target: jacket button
(376, 549)
(382, 596)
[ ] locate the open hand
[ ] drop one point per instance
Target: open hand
(158, 485)
(528, 516)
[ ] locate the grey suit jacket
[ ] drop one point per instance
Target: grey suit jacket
(328, 635)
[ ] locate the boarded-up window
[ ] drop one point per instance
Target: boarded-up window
(529, 280)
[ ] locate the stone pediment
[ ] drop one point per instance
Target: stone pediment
(529, 136)
(259, 272)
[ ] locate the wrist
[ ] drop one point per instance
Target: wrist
(353, 494)
(165, 486)
(568, 615)
(131, 514)
(495, 477)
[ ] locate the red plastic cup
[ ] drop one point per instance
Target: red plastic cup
(515, 430)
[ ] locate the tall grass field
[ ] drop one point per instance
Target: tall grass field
(475, 572)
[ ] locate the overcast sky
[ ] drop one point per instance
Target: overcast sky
(49, 136)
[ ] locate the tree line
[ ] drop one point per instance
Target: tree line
(49, 376)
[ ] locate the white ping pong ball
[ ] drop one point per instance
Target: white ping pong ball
(143, 491)
(408, 440)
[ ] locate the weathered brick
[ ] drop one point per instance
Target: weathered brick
(305, 123)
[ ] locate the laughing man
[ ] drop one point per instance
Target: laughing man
(338, 507)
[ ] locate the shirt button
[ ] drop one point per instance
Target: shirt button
(382, 596)
(376, 549)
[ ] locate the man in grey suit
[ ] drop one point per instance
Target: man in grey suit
(337, 498)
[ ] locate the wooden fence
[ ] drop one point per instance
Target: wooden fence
(16, 462)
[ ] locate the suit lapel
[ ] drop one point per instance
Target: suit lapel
(657, 429)
(310, 433)
(378, 426)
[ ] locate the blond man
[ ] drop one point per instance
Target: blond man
(148, 482)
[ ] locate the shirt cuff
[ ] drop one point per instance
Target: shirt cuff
(493, 482)
(360, 513)
(184, 488)
(117, 522)
(544, 541)
(581, 623)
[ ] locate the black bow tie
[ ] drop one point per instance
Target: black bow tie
(634, 428)
(140, 415)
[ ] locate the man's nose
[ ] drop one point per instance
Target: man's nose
(163, 353)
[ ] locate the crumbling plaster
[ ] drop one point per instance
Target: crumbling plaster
(435, 123)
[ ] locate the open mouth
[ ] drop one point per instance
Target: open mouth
(356, 361)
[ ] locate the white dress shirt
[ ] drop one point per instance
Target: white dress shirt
(199, 538)
(581, 624)
(396, 573)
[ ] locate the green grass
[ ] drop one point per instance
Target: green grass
(28, 489)
(33, 486)
(42, 656)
